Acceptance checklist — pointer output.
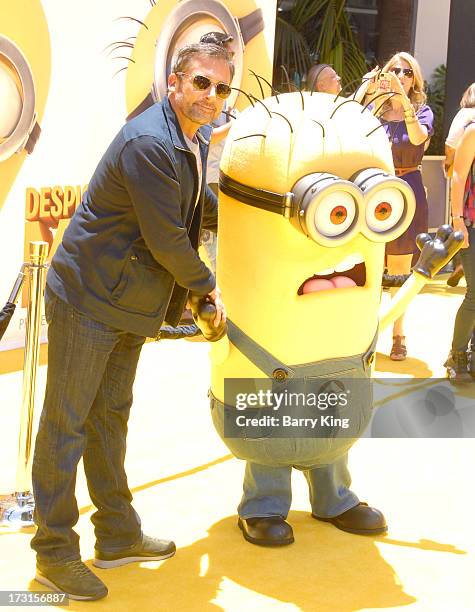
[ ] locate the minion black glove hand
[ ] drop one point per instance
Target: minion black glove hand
(437, 252)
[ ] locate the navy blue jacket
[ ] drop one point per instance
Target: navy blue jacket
(129, 255)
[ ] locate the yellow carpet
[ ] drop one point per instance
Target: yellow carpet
(186, 487)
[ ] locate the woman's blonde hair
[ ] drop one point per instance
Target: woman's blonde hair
(468, 98)
(416, 95)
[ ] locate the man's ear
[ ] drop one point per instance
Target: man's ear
(172, 79)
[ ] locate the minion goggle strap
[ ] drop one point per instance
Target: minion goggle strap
(259, 198)
(331, 210)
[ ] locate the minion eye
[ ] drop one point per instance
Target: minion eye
(326, 208)
(389, 204)
(17, 101)
(11, 103)
(384, 209)
(335, 213)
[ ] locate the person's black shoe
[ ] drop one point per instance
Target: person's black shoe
(457, 367)
(361, 519)
(73, 578)
(146, 549)
(266, 530)
(455, 277)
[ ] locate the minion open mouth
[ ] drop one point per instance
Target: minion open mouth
(351, 272)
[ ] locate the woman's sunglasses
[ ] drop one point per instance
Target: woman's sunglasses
(202, 83)
(409, 72)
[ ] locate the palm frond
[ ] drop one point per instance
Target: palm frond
(318, 30)
(293, 51)
(436, 100)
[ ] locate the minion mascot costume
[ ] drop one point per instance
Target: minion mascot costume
(308, 201)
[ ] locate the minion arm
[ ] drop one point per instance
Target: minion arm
(401, 300)
(435, 254)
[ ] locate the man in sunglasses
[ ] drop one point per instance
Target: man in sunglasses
(127, 263)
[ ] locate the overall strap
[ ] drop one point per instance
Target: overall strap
(270, 365)
(274, 368)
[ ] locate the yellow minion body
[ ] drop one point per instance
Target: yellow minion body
(308, 200)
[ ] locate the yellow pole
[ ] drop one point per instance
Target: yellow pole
(36, 270)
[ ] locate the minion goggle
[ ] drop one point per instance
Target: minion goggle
(331, 210)
(18, 127)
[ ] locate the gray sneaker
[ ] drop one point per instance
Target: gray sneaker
(146, 549)
(73, 578)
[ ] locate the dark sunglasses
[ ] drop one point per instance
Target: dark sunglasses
(202, 83)
(409, 72)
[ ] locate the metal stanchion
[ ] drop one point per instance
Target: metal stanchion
(20, 513)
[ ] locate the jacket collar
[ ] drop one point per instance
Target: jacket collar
(203, 134)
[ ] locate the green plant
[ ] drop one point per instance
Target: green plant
(316, 30)
(436, 100)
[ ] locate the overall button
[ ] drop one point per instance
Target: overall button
(280, 374)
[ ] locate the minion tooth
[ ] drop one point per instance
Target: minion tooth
(349, 262)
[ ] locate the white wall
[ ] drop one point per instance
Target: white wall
(432, 33)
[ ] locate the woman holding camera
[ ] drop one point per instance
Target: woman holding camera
(460, 363)
(408, 122)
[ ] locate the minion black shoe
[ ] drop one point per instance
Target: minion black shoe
(266, 530)
(146, 549)
(361, 519)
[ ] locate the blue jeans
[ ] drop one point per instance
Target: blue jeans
(465, 319)
(91, 370)
(267, 489)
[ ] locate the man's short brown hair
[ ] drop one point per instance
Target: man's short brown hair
(187, 53)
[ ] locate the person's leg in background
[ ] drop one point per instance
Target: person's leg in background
(457, 362)
(457, 274)
(399, 264)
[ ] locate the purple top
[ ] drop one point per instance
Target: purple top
(405, 154)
